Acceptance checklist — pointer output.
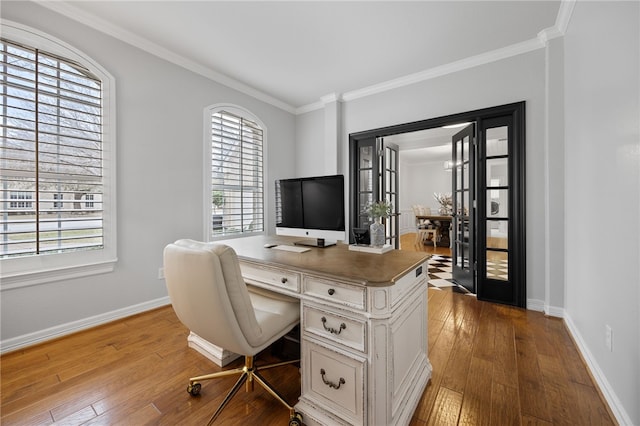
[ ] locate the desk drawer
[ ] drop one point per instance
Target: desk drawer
(340, 293)
(271, 276)
(335, 381)
(337, 328)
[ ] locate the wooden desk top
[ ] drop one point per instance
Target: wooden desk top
(334, 262)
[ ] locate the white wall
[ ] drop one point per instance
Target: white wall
(555, 188)
(602, 189)
(159, 177)
(420, 180)
(310, 142)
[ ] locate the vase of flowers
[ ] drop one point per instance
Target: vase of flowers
(446, 203)
(376, 212)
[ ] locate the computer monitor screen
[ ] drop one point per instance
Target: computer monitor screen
(311, 207)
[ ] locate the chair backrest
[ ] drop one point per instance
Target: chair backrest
(419, 210)
(209, 295)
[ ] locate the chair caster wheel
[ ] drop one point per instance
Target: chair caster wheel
(295, 420)
(194, 388)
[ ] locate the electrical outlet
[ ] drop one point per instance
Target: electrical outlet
(160, 273)
(608, 337)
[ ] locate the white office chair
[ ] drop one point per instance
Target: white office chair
(210, 298)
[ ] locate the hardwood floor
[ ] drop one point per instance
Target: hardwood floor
(492, 364)
(408, 242)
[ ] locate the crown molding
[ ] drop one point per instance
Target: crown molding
(452, 67)
(128, 37)
(331, 97)
(310, 107)
(564, 15)
(557, 30)
(548, 34)
(439, 71)
(562, 22)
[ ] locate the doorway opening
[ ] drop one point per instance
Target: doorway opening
(480, 217)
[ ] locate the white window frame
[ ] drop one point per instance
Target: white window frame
(245, 113)
(40, 269)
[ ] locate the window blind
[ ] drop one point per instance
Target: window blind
(237, 204)
(51, 171)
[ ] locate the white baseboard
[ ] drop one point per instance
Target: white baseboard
(535, 305)
(40, 336)
(612, 399)
(540, 306)
(554, 311)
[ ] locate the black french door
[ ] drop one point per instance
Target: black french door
(488, 235)
(501, 266)
(374, 177)
(463, 197)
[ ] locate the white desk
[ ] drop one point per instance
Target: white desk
(363, 327)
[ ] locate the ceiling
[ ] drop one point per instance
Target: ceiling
(295, 53)
(425, 146)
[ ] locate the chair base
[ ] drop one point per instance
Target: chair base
(248, 374)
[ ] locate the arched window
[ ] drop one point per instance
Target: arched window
(56, 152)
(235, 172)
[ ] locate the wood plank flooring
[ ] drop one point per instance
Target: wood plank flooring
(492, 365)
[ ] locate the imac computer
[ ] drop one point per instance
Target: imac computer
(312, 208)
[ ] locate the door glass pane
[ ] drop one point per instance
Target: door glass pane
(365, 200)
(458, 177)
(465, 231)
(465, 175)
(464, 208)
(497, 265)
(497, 142)
(366, 181)
(390, 183)
(497, 174)
(498, 234)
(465, 257)
(366, 157)
(465, 148)
(390, 159)
(497, 203)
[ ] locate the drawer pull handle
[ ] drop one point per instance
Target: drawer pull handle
(331, 291)
(331, 329)
(283, 280)
(330, 384)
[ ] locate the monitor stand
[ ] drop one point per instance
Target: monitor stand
(320, 243)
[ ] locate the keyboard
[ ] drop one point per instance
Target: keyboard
(291, 248)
